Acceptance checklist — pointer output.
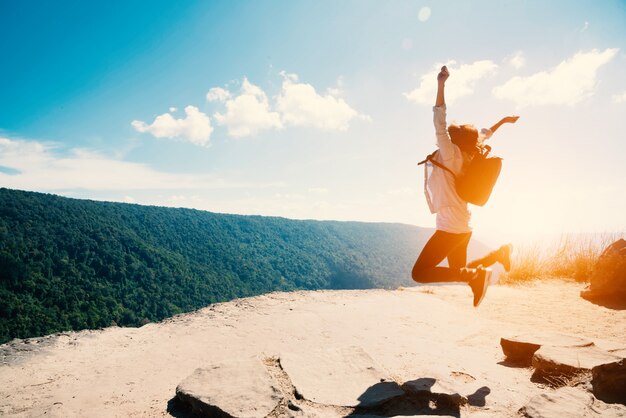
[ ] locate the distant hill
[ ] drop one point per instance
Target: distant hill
(68, 264)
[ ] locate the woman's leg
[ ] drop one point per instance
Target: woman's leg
(486, 261)
(502, 255)
(438, 247)
(458, 257)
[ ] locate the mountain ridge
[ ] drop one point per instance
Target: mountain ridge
(70, 264)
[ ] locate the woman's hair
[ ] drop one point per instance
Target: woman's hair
(464, 136)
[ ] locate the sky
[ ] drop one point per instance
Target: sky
(317, 109)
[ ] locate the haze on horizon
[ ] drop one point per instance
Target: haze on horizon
(317, 110)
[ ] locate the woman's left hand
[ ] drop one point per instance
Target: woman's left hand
(510, 119)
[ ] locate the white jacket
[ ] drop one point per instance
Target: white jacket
(452, 213)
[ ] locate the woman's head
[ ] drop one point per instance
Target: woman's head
(465, 137)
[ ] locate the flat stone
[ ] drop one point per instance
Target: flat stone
(611, 346)
(437, 388)
(521, 348)
(609, 382)
(619, 353)
(457, 388)
(342, 377)
(564, 402)
(241, 388)
(566, 361)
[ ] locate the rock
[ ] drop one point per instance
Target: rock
(567, 361)
(448, 391)
(570, 402)
(341, 377)
(457, 389)
(609, 382)
(564, 402)
(610, 346)
(608, 279)
(521, 348)
(619, 352)
(241, 388)
(435, 388)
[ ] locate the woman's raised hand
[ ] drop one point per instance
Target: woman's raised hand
(510, 119)
(443, 74)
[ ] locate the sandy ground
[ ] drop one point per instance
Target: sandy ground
(546, 305)
(429, 331)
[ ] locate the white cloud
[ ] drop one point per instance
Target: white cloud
(247, 113)
(300, 105)
(461, 83)
(570, 82)
(173, 109)
(516, 60)
(619, 98)
(218, 94)
(195, 127)
(297, 104)
(41, 167)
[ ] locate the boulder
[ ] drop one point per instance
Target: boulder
(609, 381)
(456, 389)
(436, 388)
(343, 377)
(551, 361)
(564, 402)
(521, 348)
(241, 388)
(608, 278)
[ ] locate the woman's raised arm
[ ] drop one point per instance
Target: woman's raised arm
(441, 82)
(507, 119)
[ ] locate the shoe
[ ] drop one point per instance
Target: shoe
(479, 284)
(504, 256)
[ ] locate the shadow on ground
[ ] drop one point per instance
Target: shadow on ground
(418, 399)
(611, 302)
(515, 364)
(178, 409)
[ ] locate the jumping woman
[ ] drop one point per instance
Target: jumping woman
(457, 146)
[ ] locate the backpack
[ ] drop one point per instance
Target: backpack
(480, 176)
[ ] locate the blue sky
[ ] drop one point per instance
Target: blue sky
(316, 109)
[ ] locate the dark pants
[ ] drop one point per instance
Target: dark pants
(453, 247)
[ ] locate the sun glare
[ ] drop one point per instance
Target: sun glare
(424, 14)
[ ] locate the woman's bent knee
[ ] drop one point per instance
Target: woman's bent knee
(418, 275)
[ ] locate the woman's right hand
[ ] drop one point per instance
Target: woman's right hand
(443, 74)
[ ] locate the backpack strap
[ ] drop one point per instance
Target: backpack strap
(428, 158)
(431, 158)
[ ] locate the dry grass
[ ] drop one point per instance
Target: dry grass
(572, 258)
(572, 380)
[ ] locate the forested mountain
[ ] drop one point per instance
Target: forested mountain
(68, 264)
